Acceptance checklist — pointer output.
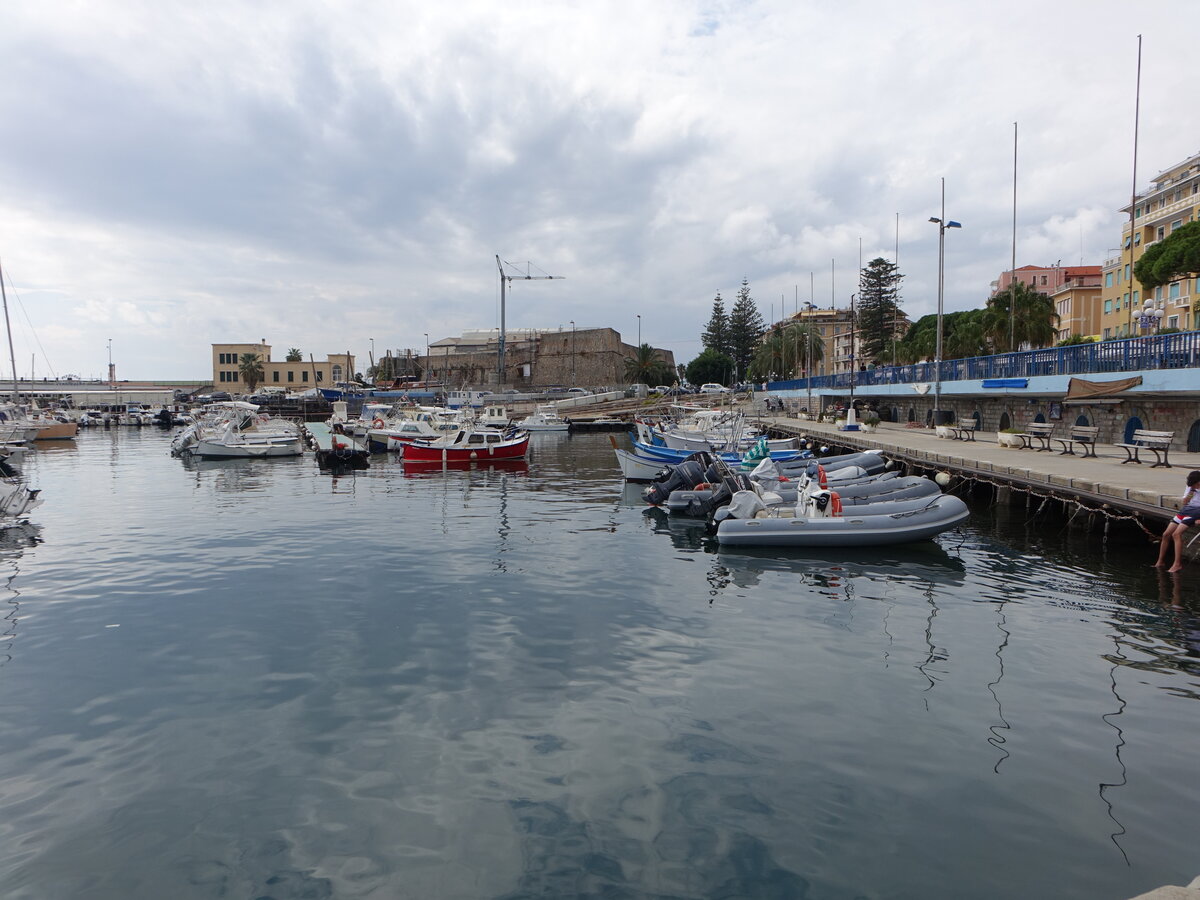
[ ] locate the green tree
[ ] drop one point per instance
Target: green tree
(1176, 254)
(786, 351)
(745, 328)
(711, 367)
(1033, 323)
(716, 334)
(647, 367)
(920, 342)
(251, 369)
(878, 310)
(294, 355)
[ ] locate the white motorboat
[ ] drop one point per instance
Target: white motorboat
(823, 522)
(235, 429)
(544, 418)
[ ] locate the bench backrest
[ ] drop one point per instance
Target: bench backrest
(1085, 431)
(1039, 428)
(1152, 437)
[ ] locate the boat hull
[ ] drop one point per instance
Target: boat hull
(849, 530)
(421, 451)
(215, 450)
(57, 431)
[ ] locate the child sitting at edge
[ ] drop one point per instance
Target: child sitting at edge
(1184, 519)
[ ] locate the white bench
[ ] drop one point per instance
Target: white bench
(1084, 436)
(1157, 442)
(1037, 431)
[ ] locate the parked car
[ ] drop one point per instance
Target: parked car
(711, 388)
(580, 392)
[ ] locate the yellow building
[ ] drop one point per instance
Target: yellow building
(828, 325)
(1172, 201)
(292, 376)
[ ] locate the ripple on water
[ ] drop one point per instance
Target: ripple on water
(514, 682)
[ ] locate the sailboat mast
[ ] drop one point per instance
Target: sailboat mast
(16, 395)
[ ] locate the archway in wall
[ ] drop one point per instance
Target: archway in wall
(1082, 420)
(895, 414)
(1134, 424)
(1193, 444)
(912, 414)
(978, 417)
(1005, 421)
(928, 417)
(1040, 418)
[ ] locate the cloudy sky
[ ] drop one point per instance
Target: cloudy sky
(324, 173)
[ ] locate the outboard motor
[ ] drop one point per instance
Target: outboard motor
(722, 493)
(683, 477)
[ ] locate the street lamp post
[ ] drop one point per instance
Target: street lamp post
(425, 369)
(639, 318)
(942, 225)
(851, 415)
(572, 351)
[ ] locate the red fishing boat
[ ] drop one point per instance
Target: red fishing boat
(469, 444)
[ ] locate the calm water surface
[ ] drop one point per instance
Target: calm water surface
(248, 679)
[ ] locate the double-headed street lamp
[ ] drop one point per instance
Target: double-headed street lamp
(942, 225)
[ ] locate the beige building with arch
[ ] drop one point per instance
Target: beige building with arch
(292, 376)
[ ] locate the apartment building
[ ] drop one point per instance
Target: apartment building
(297, 375)
(1074, 290)
(1172, 201)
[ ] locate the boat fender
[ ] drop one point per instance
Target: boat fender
(822, 480)
(377, 422)
(835, 504)
(703, 486)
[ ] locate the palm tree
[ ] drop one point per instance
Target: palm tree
(294, 355)
(1033, 323)
(251, 369)
(644, 367)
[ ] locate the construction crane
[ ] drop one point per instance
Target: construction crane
(506, 279)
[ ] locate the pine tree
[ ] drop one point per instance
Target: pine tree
(716, 335)
(745, 328)
(878, 310)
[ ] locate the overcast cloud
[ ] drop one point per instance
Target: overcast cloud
(321, 173)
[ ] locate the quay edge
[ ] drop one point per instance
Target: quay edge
(1131, 490)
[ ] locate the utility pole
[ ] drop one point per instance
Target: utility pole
(506, 280)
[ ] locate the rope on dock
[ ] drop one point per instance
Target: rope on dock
(1104, 509)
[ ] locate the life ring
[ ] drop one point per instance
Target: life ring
(835, 504)
(377, 422)
(821, 478)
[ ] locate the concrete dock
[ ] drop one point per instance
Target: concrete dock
(1150, 493)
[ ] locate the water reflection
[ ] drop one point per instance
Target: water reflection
(14, 541)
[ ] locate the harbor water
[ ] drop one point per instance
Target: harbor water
(250, 679)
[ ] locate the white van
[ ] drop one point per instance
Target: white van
(711, 388)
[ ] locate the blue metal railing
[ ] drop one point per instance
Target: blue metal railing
(1163, 351)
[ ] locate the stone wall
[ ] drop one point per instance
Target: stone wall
(589, 358)
(1179, 416)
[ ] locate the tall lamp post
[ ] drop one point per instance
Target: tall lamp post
(425, 368)
(942, 225)
(851, 415)
(572, 351)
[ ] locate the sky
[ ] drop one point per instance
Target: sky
(342, 175)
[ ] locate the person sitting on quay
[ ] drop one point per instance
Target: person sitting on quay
(1183, 520)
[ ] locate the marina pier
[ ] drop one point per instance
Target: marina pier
(1101, 483)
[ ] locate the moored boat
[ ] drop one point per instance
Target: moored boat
(469, 444)
(831, 525)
